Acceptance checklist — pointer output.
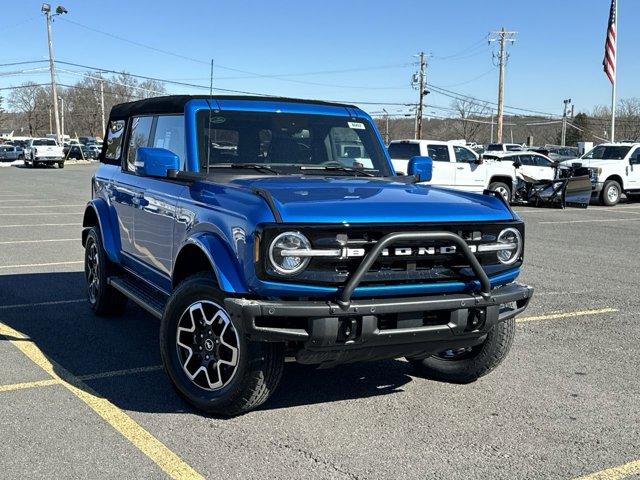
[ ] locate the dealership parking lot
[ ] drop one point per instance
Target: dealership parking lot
(82, 396)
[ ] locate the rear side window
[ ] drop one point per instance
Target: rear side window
(404, 151)
(514, 148)
(494, 147)
(169, 134)
(139, 137)
(44, 141)
(439, 153)
(114, 140)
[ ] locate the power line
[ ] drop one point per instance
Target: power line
(156, 79)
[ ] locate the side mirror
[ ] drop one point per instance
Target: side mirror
(479, 160)
(156, 162)
(421, 167)
(517, 164)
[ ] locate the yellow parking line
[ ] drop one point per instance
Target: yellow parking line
(615, 473)
(167, 460)
(21, 386)
(556, 316)
(91, 376)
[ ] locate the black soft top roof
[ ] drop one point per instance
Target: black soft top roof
(175, 103)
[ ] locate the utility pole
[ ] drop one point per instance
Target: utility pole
(46, 9)
(419, 81)
(492, 118)
(102, 105)
(386, 126)
(502, 37)
(61, 133)
(563, 140)
(50, 124)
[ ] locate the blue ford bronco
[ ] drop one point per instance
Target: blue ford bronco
(260, 229)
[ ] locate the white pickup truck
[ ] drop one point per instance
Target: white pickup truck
(43, 151)
(456, 166)
(615, 169)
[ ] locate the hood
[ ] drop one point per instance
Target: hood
(365, 200)
(592, 162)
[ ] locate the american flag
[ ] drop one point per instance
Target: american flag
(609, 61)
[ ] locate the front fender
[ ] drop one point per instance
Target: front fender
(97, 211)
(223, 262)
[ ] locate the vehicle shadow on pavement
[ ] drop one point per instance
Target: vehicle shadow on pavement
(48, 308)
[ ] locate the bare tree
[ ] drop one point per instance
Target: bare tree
(472, 117)
(32, 102)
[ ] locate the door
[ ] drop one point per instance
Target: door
(546, 170)
(469, 175)
(127, 192)
(528, 166)
(155, 211)
(443, 167)
(633, 171)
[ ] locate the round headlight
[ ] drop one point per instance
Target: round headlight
(282, 253)
(512, 239)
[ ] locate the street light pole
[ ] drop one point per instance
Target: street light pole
(46, 9)
(563, 139)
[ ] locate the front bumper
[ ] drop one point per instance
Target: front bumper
(329, 333)
(48, 159)
(596, 187)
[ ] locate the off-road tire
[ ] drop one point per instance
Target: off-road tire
(107, 301)
(605, 197)
(501, 187)
(259, 367)
(480, 361)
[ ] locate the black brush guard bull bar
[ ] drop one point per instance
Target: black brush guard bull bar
(321, 321)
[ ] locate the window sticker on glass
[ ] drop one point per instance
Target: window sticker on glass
(356, 125)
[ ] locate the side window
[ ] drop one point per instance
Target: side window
(463, 155)
(527, 160)
(636, 154)
(439, 153)
(114, 140)
(169, 134)
(139, 137)
(541, 161)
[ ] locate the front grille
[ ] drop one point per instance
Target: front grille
(419, 262)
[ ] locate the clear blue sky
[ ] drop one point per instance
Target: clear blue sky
(558, 52)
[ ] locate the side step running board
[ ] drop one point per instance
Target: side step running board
(148, 298)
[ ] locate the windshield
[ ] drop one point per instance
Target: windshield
(494, 147)
(45, 141)
(404, 151)
(289, 142)
(514, 148)
(604, 152)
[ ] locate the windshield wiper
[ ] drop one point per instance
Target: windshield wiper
(335, 168)
(254, 166)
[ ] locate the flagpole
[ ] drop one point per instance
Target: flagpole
(615, 80)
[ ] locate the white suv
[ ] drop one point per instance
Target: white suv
(615, 168)
(455, 166)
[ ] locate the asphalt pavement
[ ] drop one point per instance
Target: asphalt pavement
(84, 397)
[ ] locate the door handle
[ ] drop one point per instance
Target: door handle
(459, 168)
